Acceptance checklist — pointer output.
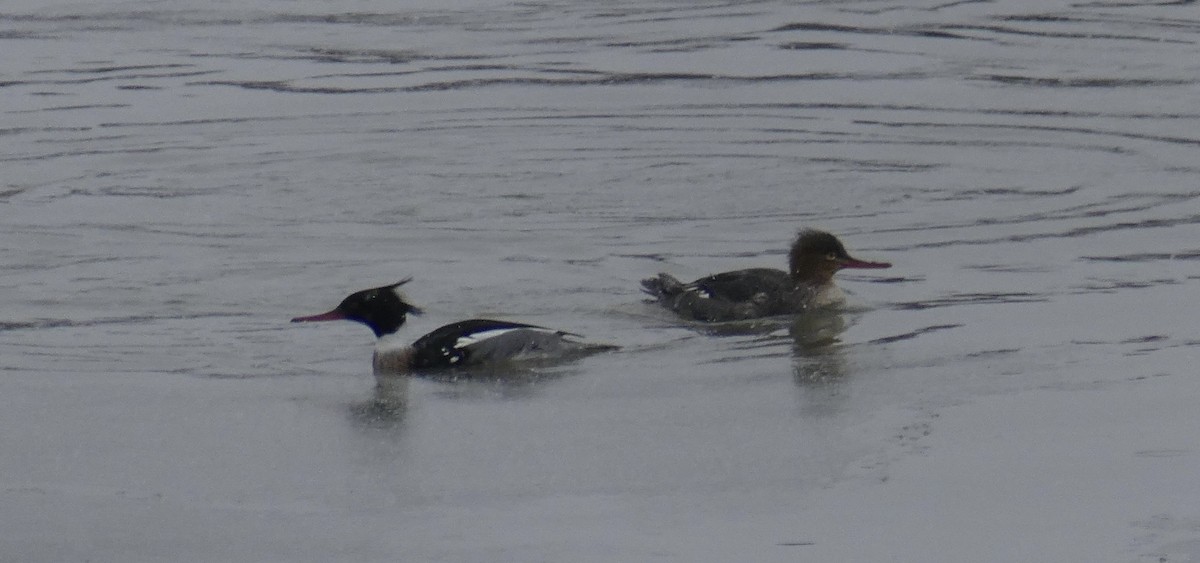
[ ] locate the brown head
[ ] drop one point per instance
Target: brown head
(817, 255)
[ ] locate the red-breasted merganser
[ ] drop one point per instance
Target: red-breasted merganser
(764, 292)
(464, 344)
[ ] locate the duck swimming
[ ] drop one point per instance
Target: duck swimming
(464, 344)
(764, 292)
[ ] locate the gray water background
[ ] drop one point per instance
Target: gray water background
(179, 180)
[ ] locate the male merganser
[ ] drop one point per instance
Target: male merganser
(463, 344)
(763, 292)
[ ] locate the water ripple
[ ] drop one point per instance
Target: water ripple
(956, 299)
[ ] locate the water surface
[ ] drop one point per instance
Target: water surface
(180, 180)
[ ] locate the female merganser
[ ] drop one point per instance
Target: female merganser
(763, 292)
(463, 344)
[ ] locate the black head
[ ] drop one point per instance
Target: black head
(817, 255)
(381, 308)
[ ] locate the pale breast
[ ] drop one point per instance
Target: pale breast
(394, 360)
(829, 296)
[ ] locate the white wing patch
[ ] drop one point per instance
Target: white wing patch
(477, 337)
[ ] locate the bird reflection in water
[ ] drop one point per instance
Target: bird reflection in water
(816, 348)
(503, 381)
(386, 409)
(819, 366)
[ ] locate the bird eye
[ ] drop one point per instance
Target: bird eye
(831, 256)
